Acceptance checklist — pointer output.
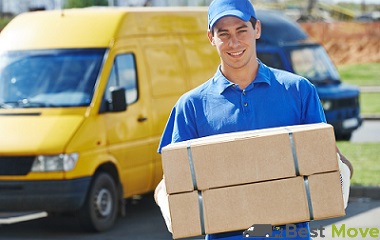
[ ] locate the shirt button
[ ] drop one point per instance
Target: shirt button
(244, 93)
(245, 104)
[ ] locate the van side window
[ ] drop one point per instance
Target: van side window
(271, 59)
(123, 74)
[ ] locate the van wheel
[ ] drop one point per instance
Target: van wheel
(99, 211)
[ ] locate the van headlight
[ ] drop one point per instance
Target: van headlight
(53, 163)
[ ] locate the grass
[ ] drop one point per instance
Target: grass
(370, 102)
(4, 21)
(366, 74)
(365, 158)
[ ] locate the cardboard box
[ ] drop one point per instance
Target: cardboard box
(276, 202)
(250, 156)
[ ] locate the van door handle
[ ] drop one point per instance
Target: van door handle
(142, 119)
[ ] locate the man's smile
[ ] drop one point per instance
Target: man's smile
(236, 54)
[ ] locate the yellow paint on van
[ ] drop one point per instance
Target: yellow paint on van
(172, 55)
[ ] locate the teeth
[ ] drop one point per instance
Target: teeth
(236, 54)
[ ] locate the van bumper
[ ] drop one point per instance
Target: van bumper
(53, 196)
(347, 125)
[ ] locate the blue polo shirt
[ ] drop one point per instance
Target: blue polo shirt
(275, 98)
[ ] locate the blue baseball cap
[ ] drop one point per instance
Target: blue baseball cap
(242, 9)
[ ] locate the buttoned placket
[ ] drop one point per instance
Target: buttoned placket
(244, 100)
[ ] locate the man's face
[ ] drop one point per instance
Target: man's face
(235, 41)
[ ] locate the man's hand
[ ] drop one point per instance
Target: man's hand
(346, 161)
(161, 198)
(344, 180)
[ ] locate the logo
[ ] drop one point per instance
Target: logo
(288, 231)
(291, 231)
(258, 230)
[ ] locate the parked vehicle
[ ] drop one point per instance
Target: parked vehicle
(284, 45)
(84, 97)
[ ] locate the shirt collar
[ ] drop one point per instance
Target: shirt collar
(222, 83)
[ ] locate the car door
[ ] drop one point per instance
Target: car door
(128, 132)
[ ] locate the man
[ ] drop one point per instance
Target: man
(244, 94)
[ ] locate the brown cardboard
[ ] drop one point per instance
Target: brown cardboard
(249, 156)
(275, 202)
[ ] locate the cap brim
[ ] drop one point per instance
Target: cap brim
(233, 13)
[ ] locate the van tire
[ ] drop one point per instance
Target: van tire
(100, 209)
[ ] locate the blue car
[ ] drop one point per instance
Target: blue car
(283, 44)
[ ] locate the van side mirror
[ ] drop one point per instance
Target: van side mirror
(118, 101)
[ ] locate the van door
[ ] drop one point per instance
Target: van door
(128, 131)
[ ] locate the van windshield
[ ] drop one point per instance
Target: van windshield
(48, 78)
(313, 63)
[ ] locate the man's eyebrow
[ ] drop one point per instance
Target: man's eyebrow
(244, 25)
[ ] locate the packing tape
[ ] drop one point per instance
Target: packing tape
(307, 187)
(201, 215)
(191, 163)
(194, 179)
(295, 159)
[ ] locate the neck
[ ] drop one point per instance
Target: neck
(241, 76)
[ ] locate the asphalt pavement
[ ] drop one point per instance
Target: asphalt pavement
(362, 218)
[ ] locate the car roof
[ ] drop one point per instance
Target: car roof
(277, 28)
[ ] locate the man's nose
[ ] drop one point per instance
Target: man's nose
(234, 41)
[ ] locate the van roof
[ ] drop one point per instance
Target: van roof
(97, 27)
(276, 28)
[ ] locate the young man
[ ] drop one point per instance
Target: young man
(244, 94)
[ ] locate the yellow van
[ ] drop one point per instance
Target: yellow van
(84, 97)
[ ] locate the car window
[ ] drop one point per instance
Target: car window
(123, 74)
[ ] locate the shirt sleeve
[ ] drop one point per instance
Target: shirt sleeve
(181, 125)
(312, 110)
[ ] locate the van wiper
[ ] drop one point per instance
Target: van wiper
(24, 103)
(6, 105)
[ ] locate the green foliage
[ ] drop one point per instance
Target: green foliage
(85, 3)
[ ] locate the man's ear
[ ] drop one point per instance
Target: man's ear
(210, 38)
(258, 29)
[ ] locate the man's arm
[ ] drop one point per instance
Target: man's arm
(161, 198)
(346, 161)
(159, 189)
